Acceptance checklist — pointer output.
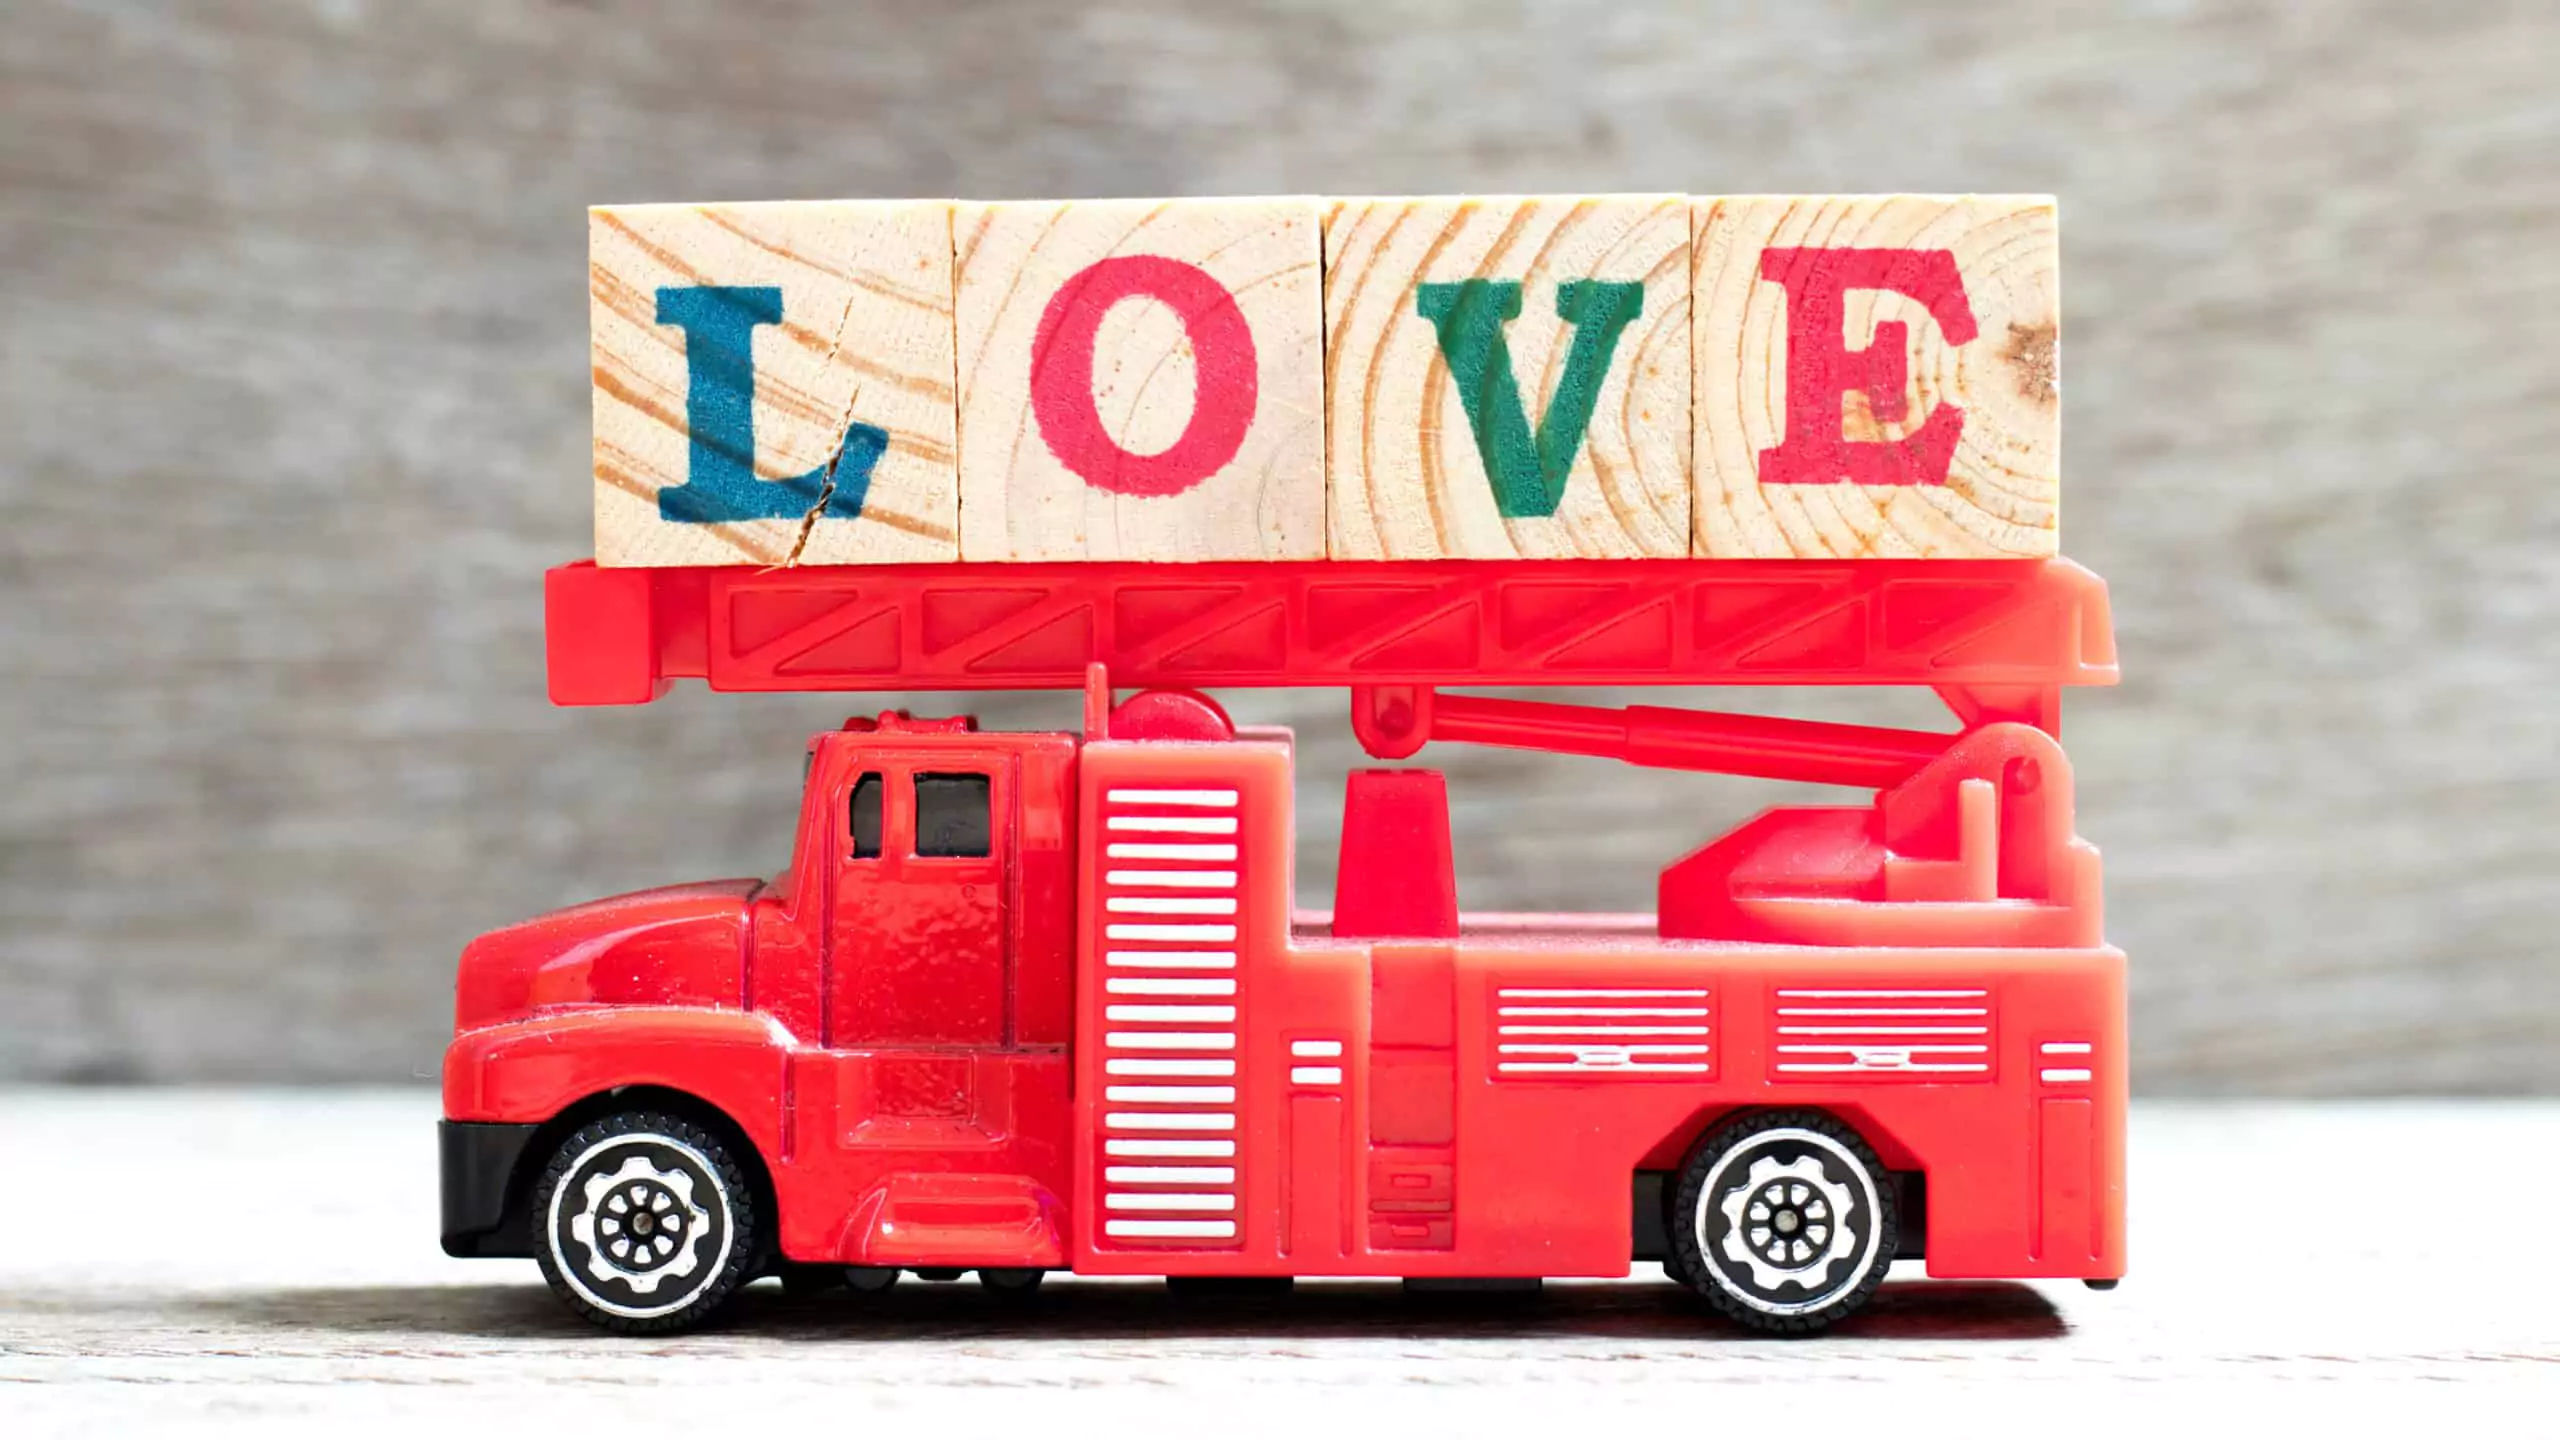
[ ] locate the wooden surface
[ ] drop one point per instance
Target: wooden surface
(1983, 368)
(1405, 439)
(1190, 432)
(295, 398)
(859, 334)
(265, 1263)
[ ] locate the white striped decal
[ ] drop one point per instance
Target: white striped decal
(1627, 1031)
(1195, 1068)
(2075, 1055)
(1160, 985)
(1171, 959)
(1170, 1229)
(1195, 1202)
(1225, 934)
(1167, 1120)
(1171, 905)
(1170, 1040)
(1207, 799)
(1174, 879)
(1144, 851)
(1170, 1094)
(1881, 1034)
(1174, 824)
(1169, 1149)
(1173, 991)
(1883, 994)
(1169, 1174)
(1183, 1014)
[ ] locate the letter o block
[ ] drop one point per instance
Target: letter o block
(1877, 377)
(1140, 380)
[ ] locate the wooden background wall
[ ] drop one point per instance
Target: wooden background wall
(293, 412)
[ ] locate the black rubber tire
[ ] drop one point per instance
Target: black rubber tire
(706, 1191)
(1012, 1283)
(803, 1282)
(1814, 1152)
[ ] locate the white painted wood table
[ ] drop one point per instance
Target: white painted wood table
(265, 1263)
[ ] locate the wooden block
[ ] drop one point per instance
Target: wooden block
(773, 383)
(1507, 377)
(1141, 380)
(1877, 376)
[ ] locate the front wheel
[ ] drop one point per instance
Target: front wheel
(1783, 1220)
(643, 1223)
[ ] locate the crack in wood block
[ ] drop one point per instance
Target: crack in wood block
(773, 383)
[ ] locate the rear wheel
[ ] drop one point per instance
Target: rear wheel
(807, 1282)
(1784, 1220)
(643, 1223)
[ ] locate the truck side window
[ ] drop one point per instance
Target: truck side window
(952, 819)
(866, 817)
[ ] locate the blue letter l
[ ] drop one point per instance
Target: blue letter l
(720, 484)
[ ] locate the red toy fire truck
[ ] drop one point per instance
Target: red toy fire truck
(1034, 1002)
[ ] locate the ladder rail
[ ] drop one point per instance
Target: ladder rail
(1990, 628)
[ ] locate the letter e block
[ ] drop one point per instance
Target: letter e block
(1507, 377)
(1877, 376)
(1141, 380)
(773, 383)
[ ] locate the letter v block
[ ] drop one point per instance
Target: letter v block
(773, 383)
(1877, 376)
(1141, 380)
(1507, 377)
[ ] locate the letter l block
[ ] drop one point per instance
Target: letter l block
(773, 383)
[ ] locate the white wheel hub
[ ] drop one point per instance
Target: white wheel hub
(640, 1225)
(1788, 1222)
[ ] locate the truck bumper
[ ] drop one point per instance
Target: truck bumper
(476, 1167)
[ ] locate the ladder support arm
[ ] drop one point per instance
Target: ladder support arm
(1395, 721)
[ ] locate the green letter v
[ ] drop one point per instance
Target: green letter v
(1528, 473)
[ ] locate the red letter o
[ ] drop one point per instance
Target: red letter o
(1226, 376)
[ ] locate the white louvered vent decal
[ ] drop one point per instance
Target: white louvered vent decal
(1546, 1031)
(1881, 1033)
(2065, 1062)
(1171, 890)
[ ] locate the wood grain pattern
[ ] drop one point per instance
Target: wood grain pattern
(1407, 473)
(862, 336)
(1155, 388)
(2000, 494)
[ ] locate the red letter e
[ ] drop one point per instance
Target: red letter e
(1821, 368)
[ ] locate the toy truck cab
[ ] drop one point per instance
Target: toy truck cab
(888, 1015)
